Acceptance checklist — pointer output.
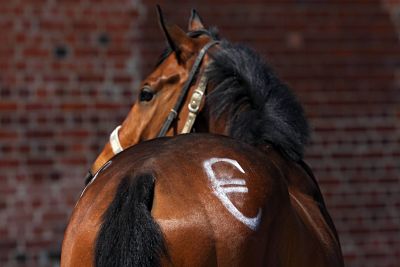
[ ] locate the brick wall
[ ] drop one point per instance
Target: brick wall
(68, 71)
(67, 75)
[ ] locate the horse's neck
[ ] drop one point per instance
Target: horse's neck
(209, 123)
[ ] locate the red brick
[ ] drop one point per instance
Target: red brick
(10, 106)
(44, 134)
(39, 162)
(7, 134)
(74, 106)
(35, 52)
(91, 78)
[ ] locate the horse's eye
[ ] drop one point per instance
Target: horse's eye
(146, 95)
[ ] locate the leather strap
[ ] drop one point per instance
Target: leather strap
(194, 104)
(174, 111)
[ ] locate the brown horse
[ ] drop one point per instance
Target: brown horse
(198, 200)
(228, 90)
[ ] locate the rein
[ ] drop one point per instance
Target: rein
(194, 104)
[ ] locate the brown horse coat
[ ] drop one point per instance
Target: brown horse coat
(198, 227)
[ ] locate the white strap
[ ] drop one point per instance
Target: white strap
(114, 141)
(194, 105)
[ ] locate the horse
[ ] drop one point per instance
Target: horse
(198, 200)
(229, 91)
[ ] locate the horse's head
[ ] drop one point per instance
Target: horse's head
(245, 99)
(161, 107)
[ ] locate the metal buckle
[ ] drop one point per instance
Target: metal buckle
(195, 102)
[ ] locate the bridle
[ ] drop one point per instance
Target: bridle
(197, 96)
(194, 104)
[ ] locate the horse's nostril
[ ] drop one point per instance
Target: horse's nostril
(88, 177)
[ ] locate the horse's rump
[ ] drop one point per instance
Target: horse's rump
(202, 196)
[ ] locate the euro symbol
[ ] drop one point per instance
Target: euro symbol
(225, 185)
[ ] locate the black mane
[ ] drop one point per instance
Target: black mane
(262, 109)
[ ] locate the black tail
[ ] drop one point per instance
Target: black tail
(129, 236)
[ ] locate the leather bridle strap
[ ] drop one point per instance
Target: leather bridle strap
(194, 105)
(174, 111)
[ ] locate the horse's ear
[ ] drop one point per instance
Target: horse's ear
(177, 39)
(195, 22)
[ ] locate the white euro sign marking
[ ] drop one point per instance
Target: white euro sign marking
(232, 185)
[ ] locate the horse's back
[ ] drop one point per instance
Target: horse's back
(216, 201)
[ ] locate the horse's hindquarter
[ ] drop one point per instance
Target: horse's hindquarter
(215, 209)
(217, 201)
(315, 239)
